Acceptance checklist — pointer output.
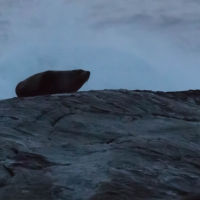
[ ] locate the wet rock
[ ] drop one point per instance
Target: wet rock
(99, 145)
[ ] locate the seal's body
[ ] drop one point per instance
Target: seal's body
(52, 82)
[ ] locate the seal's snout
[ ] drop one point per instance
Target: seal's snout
(85, 75)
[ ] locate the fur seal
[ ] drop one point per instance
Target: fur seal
(52, 82)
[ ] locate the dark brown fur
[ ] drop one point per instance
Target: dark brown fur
(52, 82)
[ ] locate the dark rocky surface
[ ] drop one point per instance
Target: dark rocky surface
(100, 145)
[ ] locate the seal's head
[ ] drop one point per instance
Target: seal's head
(52, 82)
(76, 79)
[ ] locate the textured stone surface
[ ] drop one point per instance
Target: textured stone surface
(99, 145)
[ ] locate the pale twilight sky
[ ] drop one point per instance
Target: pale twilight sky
(132, 45)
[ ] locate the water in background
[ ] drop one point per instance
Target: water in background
(137, 45)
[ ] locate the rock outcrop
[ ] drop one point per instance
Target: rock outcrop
(100, 145)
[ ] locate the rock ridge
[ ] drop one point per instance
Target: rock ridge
(106, 144)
